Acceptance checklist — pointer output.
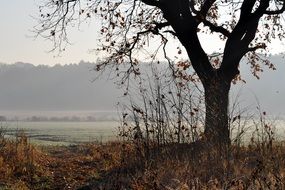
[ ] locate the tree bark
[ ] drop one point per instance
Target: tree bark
(217, 122)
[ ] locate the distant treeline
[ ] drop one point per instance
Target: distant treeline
(58, 119)
(58, 88)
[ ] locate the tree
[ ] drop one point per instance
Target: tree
(246, 26)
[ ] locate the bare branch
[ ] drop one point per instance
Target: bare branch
(159, 26)
(171, 32)
(192, 6)
(259, 46)
(155, 3)
(215, 28)
(280, 11)
(206, 7)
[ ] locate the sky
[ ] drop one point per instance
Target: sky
(18, 44)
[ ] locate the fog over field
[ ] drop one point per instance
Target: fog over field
(56, 90)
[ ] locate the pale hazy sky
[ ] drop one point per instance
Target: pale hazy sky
(16, 43)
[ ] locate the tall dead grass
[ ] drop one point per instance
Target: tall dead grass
(121, 165)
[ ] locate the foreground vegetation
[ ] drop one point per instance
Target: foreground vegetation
(118, 165)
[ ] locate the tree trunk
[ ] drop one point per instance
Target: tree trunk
(216, 102)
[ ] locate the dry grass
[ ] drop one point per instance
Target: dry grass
(124, 166)
(26, 166)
